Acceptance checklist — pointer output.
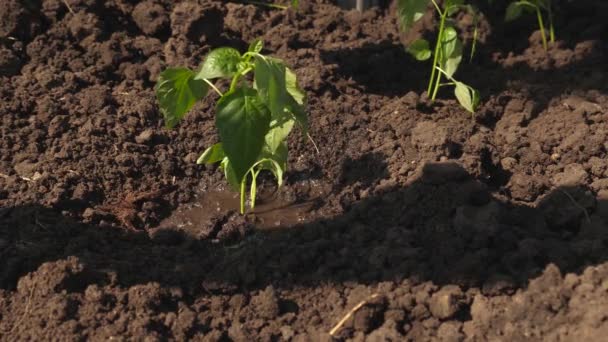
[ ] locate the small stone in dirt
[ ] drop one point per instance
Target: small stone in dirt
(25, 168)
(446, 302)
(428, 135)
(574, 174)
(145, 137)
(266, 303)
(450, 332)
(150, 17)
(525, 187)
(508, 163)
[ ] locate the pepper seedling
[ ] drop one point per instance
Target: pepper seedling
(448, 51)
(253, 118)
(516, 9)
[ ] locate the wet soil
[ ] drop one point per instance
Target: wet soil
(447, 227)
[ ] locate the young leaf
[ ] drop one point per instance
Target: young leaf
(270, 81)
(514, 11)
(177, 91)
(221, 62)
(410, 11)
(233, 180)
(291, 84)
(212, 155)
(277, 135)
(420, 49)
(299, 114)
(451, 63)
(243, 121)
(276, 162)
(256, 46)
(467, 96)
(449, 40)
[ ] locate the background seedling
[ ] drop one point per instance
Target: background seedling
(447, 53)
(253, 118)
(516, 9)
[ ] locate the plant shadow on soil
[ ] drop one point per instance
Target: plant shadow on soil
(445, 226)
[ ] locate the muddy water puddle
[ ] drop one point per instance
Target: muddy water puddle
(271, 211)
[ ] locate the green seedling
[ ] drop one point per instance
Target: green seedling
(448, 51)
(517, 8)
(253, 117)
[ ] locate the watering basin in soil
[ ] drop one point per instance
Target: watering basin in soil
(271, 211)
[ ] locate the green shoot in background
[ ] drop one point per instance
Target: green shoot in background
(516, 9)
(447, 53)
(253, 118)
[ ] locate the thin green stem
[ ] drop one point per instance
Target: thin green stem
(437, 8)
(551, 29)
(542, 27)
(213, 87)
(254, 176)
(437, 84)
(237, 76)
(437, 47)
(243, 188)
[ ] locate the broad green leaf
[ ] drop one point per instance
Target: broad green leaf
(270, 81)
(177, 91)
(221, 62)
(291, 84)
(410, 11)
(242, 121)
(467, 96)
(514, 11)
(212, 155)
(420, 49)
(278, 134)
(450, 65)
(233, 180)
(256, 46)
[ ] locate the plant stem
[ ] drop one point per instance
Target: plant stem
(437, 46)
(213, 87)
(437, 84)
(551, 30)
(542, 27)
(243, 188)
(254, 176)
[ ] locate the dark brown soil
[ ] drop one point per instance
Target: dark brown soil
(486, 229)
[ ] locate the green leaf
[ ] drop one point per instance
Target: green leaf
(243, 121)
(514, 11)
(452, 6)
(212, 155)
(221, 62)
(448, 41)
(230, 175)
(299, 114)
(467, 96)
(410, 11)
(256, 46)
(177, 91)
(291, 84)
(278, 134)
(276, 162)
(270, 81)
(420, 49)
(450, 64)
(295, 3)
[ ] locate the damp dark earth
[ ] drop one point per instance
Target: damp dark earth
(407, 220)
